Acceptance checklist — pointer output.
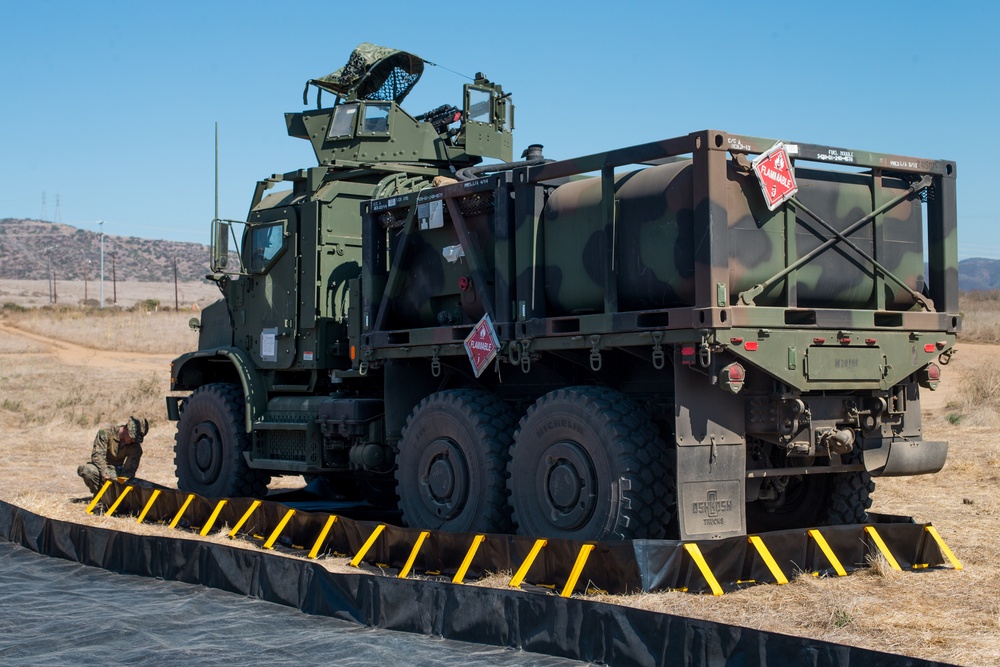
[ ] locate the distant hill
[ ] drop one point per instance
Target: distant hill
(28, 246)
(978, 274)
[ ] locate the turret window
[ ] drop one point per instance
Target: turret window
(343, 121)
(376, 119)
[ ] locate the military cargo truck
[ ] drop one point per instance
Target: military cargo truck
(695, 337)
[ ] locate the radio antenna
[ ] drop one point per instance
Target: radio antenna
(216, 170)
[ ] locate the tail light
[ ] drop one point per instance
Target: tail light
(731, 377)
(930, 376)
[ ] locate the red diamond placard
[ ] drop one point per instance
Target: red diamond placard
(482, 345)
(774, 171)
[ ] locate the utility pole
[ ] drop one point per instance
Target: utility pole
(101, 223)
(86, 266)
(52, 286)
(114, 280)
(176, 303)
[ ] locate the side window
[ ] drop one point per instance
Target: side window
(376, 119)
(480, 105)
(266, 241)
(343, 121)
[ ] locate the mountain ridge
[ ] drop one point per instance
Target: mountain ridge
(29, 247)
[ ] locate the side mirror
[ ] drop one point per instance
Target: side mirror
(220, 245)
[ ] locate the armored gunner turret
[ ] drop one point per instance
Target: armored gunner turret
(367, 124)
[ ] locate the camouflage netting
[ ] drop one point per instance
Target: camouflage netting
(374, 73)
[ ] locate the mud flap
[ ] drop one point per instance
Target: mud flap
(174, 408)
(896, 457)
(711, 457)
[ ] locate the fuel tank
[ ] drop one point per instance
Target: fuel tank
(654, 237)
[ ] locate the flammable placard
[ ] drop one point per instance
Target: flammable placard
(482, 345)
(774, 171)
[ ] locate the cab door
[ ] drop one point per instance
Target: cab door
(271, 257)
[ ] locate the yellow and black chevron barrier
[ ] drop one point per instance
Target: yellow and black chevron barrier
(566, 566)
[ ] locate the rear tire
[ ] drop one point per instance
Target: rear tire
(209, 446)
(452, 463)
(588, 464)
(814, 500)
(800, 503)
(850, 498)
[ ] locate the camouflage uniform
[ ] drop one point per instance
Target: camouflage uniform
(110, 457)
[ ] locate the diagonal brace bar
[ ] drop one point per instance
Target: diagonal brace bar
(394, 284)
(747, 297)
(919, 298)
(474, 253)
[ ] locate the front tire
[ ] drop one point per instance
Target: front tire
(209, 445)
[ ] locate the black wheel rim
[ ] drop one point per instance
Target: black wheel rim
(444, 479)
(206, 452)
(566, 482)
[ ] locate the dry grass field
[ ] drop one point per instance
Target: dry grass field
(64, 373)
(981, 311)
(71, 294)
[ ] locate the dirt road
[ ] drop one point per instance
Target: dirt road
(75, 354)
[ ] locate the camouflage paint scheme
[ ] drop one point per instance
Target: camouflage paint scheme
(655, 213)
(649, 270)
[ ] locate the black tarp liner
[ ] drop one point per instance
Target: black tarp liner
(54, 612)
(573, 628)
(613, 567)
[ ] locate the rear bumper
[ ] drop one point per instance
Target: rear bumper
(895, 457)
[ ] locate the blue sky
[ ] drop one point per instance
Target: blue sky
(111, 106)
